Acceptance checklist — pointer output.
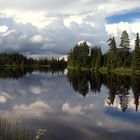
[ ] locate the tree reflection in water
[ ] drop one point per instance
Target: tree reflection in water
(16, 73)
(119, 86)
(83, 82)
(136, 90)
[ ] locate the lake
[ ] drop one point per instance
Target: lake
(68, 105)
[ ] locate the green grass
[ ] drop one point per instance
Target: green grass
(123, 70)
(119, 71)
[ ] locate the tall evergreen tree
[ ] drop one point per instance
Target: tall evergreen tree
(112, 56)
(79, 56)
(125, 46)
(99, 58)
(93, 57)
(136, 63)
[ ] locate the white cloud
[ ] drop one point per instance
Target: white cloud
(8, 32)
(80, 42)
(76, 110)
(135, 27)
(117, 28)
(2, 99)
(36, 38)
(118, 6)
(76, 19)
(6, 95)
(71, 110)
(37, 19)
(35, 29)
(3, 28)
(36, 109)
(38, 90)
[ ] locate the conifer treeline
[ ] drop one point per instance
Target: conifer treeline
(16, 59)
(85, 82)
(82, 57)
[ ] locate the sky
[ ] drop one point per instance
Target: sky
(42, 28)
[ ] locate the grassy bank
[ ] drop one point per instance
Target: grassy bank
(120, 71)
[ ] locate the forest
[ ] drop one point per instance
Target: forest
(19, 60)
(120, 58)
(117, 58)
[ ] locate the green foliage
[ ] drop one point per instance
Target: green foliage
(82, 57)
(125, 41)
(99, 58)
(136, 55)
(80, 81)
(79, 56)
(93, 57)
(125, 46)
(112, 54)
(96, 58)
(136, 89)
(19, 60)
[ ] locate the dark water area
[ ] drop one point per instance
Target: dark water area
(68, 105)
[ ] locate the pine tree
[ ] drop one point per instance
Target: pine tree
(125, 44)
(112, 58)
(79, 56)
(99, 58)
(136, 62)
(93, 57)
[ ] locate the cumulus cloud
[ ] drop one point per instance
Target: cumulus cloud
(4, 97)
(3, 29)
(76, 110)
(38, 90)
(36, 38)
(71, 110)
(48, 27)
(117, 28)
(35, 109)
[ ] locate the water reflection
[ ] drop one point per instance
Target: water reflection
(10, 129)
(89, 106)
(16, 73)
(136, 90)
(83, 81)
(118, 86)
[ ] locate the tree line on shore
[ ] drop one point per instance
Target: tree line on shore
(81, 56)
(16, 59)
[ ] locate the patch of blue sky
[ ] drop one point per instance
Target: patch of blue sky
(124, 17)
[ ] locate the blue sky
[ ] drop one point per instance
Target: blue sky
(52, 27)
(128, 16)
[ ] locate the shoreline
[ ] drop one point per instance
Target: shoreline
(104, 70)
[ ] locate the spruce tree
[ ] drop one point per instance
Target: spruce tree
(79, 56)
(112, 58)
(99, 58)
(93, 57)
(136, 62)
(125, 46)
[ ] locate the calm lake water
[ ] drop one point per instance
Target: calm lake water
(70, 105)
